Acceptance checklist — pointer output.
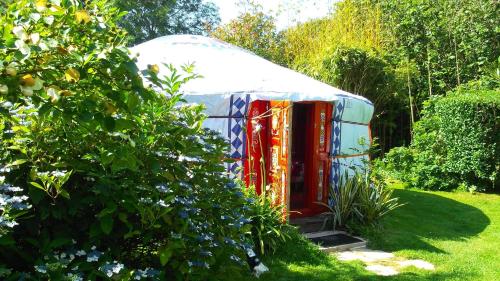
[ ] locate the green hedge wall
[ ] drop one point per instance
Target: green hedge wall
(469, 123)
(455, 143)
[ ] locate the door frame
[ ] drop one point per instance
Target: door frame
(319, 154)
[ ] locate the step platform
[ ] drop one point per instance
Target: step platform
(328, 241)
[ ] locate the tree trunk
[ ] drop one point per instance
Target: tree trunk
(429, 70)
(410, 98)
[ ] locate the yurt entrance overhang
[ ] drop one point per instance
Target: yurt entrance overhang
(287, 153)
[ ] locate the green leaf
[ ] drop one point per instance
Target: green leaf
(110, 209)
(94, 230)
(64, 193)
(109, 123)
(17, 162)
(165, 254)
(37, 185)
(124, 124)
(7, 240)
(132, 101)
(106, 223)
(58, 242)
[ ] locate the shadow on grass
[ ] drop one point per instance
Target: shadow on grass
(427, 215)
(300, 260)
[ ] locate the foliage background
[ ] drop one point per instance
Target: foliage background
(396, 53)
(146, 20)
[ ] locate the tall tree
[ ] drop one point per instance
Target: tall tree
(148, 19)
(255, 31)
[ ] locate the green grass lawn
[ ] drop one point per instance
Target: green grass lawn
(458, 232)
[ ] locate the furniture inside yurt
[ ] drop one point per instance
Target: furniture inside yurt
(290, 136)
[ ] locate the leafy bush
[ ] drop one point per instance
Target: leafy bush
(361, 199)
(269, 230)
(122, 181)
(455, 142)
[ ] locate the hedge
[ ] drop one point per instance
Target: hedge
(455, 143)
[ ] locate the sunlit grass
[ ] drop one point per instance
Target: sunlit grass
(458, 232)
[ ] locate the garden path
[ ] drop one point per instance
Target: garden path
(380, 262)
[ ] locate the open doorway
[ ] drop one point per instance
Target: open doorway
(301, 155)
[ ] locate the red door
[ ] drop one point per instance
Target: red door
(290, 166)
(320, 152)
(267, 147)
(309, 161)
(279, 146)
(256, 164)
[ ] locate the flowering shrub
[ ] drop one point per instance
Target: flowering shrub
(12, 204)
(102, 177)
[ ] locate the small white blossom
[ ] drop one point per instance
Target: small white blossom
(48, 20)
(41, 268)
(23, 47)
(35, 16)
(4, 89)
(92, 258)
(20, 32)
(80, 253)
(35, 38)
(11, 69)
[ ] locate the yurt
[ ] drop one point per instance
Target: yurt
(289, 135)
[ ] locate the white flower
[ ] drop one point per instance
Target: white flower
(59, 174)
(27, 91)
(92, 258)
(71, 48)
(20, 32)
(4, 89)
(118, 267)
(35, 38)
(43, 46)
(48, 20)
(23, 47)
(41, 268)
(35, 16)
(80, 253)
(52, 43)
(11, 69)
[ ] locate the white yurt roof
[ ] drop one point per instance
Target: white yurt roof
(229, 70)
